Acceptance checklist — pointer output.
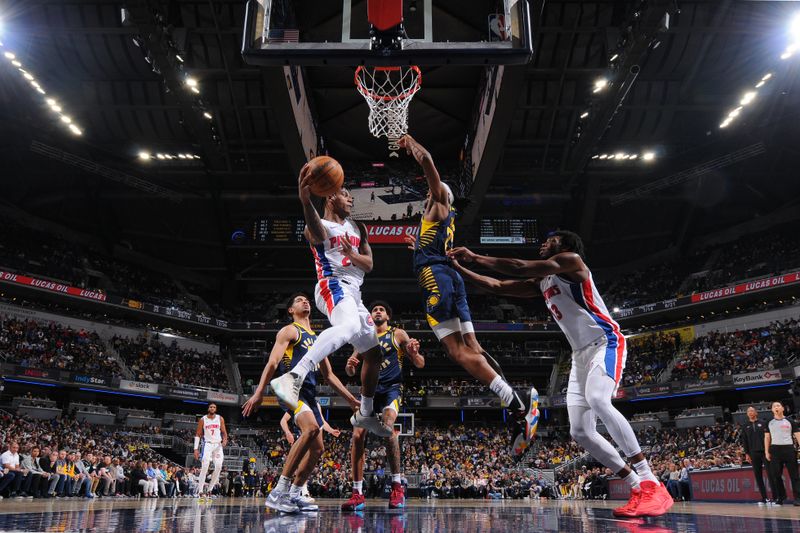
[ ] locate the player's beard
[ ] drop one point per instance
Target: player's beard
(379, 322)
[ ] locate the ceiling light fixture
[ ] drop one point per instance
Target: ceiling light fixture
(648, 156)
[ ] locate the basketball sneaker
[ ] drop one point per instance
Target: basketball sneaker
(526, 424)
(397, 499)
(280, 501)
(629, 509)
(357, 502)
(656, 500)
(287, 388)
(371, 424)
(304, 505)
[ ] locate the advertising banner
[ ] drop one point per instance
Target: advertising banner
(269, 401)
(138, 386)
(729, 485)
(91, 380)
(697, 384)
(749, 286)
(190, 394)
(390, 233)
(416, 401)
(222, 397)
(652, 390)
(53, 286)
(756, 377)
(324, 401)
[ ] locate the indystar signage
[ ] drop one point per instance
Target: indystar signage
(756, 377)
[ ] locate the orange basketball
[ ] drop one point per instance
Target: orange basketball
(326, 176)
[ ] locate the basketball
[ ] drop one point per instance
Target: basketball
(326, 174)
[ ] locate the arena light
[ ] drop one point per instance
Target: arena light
(10, 55)
(614, 57)
(595, 156)
(620, 155)
(634, 156)
(207, 115)
(195, 90)
(648, 156)
(144, 156)
(179, 58)
(75, 129)
(16, 63)
(725, 123)
(65, 119)
(767, 76)
(600, 84)
(583, 115)
(191, 82)
(616, 309)
(748, 97)
(603, 156)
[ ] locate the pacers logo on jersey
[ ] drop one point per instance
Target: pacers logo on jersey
(433, 301)
(307, 343)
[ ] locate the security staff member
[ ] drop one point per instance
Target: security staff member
(753, 444)
(780, 452)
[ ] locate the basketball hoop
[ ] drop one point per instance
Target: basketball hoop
(388, 92)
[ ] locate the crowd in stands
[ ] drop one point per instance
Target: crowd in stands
(34, 344)
(153, 361)
(727, 353)
(455, 387)
(648, 356)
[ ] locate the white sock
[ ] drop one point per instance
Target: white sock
(644, 472)
(294, 491)
(397, 478)
(366, 406)
(283, 484)
(502, 389)
(357, 486)
(633, 480)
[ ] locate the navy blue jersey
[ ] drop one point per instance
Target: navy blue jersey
(392, 363)
(295, 352)
(435, 238)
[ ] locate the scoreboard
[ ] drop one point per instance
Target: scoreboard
(509, 231)
(278, 230)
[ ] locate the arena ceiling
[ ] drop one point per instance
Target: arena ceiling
(690, 76)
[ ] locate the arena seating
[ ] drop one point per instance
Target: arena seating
(155, 362)
(648, 356)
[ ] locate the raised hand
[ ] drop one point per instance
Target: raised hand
(252, 404)
(412, 347)
(411, 242)
(304, 184)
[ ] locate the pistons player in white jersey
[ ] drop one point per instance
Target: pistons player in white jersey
(211, 428)
(599, 350)
(342, 256)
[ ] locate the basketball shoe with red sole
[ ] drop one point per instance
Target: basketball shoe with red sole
(629, 509)
(357, 502)
(397, 499)
(656, 500)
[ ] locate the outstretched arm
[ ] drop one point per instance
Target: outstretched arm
(563, 263)
(315, 231)
(224, 431)
(286, 335)
(520, 288)
(325, 426)
(423, 157)
(327, 372)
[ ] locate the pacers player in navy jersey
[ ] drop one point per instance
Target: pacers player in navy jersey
(598, 356)
(395, 345)
(291, 344)
(445, 297)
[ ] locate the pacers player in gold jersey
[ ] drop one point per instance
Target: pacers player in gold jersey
(445, 297)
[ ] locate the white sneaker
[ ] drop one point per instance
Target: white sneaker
(371, 424)
(304, 504)
(272, 499)
(286, 504)
(287, 388)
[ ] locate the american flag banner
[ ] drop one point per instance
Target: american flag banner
(283, 36)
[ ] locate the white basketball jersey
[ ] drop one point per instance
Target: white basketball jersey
(328, 257)
(211, 429)
(580, 312)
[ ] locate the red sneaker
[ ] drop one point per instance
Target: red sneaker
(355, 503)
(629, 509)
(397, 499)
(655, 499)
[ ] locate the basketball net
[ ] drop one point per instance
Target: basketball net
(388, 92)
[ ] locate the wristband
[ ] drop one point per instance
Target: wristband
(196, 443)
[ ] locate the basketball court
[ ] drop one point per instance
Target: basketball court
(598, 116)
(237, 514)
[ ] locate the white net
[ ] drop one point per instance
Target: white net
(388, 92)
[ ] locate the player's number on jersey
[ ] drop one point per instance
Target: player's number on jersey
(556, 312)
(212, 432)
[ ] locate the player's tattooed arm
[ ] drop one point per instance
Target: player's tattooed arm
(362, 258)
(520, 288)
(410, 347)
(315, 230)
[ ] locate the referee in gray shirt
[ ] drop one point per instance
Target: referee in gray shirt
(779, 445)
